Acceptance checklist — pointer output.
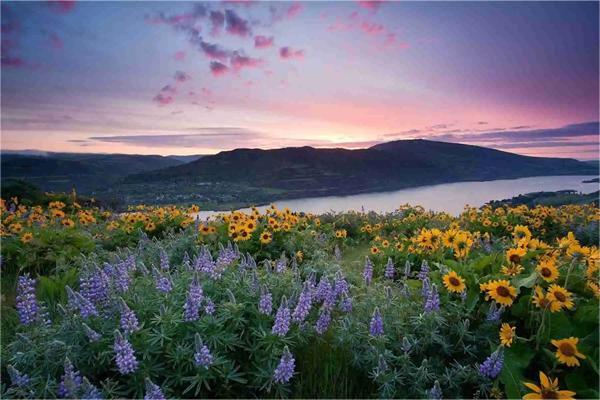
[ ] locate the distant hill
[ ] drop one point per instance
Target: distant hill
(306, 171)
(87, 172)
(555, 199)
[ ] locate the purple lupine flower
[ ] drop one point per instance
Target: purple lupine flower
(17, 378)
(340, 285)
(202, 356)
(304, 304)
(426, 286)
(86, 307)
(323, 321)
(70, 381)
(121, 277)
(94, 286)
(89, 391)
(129, 322)
(390, 272)
(282, 319)
(368, 271)
(424, 272)
(209, 306)
(376, 326)
(432, 301)
(204, 262)
(346, 303)
(27, 305)
(164, 260)
(162, 282)
(323, 289)
(492, 366)
(285, 370)
(91, 334)
(193, 301)
(494, 313)
(265, 304)
(435, 393)
(226, 256)
(124, 355)
(153, 391)
(281, 264)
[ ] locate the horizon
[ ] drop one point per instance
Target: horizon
(44, 153)
(199, 78)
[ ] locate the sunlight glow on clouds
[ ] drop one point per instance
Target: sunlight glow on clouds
(186, 78)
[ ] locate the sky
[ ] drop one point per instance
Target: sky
(199, 78)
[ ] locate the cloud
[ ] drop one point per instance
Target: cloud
(549, 144)
(217, 68)
(294, 10)
(217, 20)
(482, 123)
(211, 137)
(371, 28)
(263, 42)
(213, 51)
(163, 99)
(289, 53)
(239, 61)
(372, 5)
(236, 25)
(532, 135)
(61, 7)
(179, 55)
(181, 76)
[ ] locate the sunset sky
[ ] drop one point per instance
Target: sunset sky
(198, 78)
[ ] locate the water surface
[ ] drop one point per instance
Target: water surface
(448, 197)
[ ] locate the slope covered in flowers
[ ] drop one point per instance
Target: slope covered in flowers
(412, 304)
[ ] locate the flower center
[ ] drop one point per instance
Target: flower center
(549, 394)
(454, 281)
(503, 291)
(560, 296)
(515, 258)
(546, 272)
(567, 349)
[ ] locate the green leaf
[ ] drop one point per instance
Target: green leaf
(516, 360)
(525, 281)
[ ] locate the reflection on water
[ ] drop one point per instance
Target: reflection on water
(449, 197)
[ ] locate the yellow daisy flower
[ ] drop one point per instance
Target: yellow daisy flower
(560, 297)
(500, 291)
(548, 389)
(454, 283)
(566, 351)
(507, 334)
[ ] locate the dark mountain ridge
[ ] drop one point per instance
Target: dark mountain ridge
(302, 171)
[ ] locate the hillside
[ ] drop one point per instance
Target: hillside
(86, 172)
(306, 171)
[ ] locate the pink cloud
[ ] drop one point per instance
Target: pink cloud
(163, 99)
(213, 51)
(371, 28)
(55, 41)
(181, 76)
(289, 53)
(236, 25)
(217, 20)
(62, 6)
(217, 68)
(239, 61)
(169, 89)
(294, 10)
(263, 42)
(372, 5)
(179, 55)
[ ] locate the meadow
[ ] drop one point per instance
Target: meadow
(495, 303)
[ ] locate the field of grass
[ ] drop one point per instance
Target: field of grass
(495, 303)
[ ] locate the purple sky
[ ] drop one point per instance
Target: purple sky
(198, 78)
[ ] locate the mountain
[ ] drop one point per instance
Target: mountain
(87, 172)
(306, 171)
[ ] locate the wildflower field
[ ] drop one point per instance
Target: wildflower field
(495, 303)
